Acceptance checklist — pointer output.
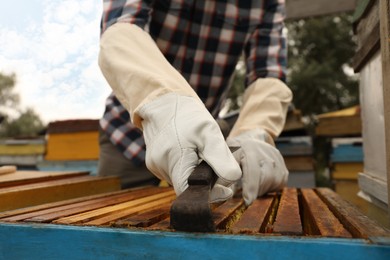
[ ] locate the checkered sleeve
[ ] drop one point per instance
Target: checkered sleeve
(125, 11)
(121, 132)
(265, 52)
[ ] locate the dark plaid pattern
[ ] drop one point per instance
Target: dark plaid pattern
(203, 40)
(121, 132)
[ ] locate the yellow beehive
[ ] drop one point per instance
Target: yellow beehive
(347, 170)
(72, 140)
(22, 147)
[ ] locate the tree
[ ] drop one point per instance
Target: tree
(26, 122)
(320, 52)
(8, 99)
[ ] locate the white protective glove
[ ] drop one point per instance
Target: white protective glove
(179, 130)
(262, 164)
(261, 119)
(177, 127)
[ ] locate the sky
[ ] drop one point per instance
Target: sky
(52, 47)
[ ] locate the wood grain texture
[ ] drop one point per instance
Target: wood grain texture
(288, 219)
(367, 50)
(225, 212)
(106, 211)
(357, 224)
(321, 217)
(366, 23)
(373, 185)
(26, 210)
(384, 12)
(60, 212)
(254, 217)
(57, 190)
(131, 211)
(322, 213)
(163, 225)
(144, 219)
(26, 177)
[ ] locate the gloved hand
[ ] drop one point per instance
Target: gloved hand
(262, 164)
(178, 131)
(177, 127)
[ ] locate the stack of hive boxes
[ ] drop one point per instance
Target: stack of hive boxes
(297, 152)
(346, 162)
(343, 128)
(72, 145)
(24, 153)
(296, 147)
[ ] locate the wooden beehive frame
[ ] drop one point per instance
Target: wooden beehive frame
(294, 212)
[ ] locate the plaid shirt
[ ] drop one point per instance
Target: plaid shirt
(203, 40)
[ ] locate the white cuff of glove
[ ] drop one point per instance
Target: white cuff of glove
(179, 131)
(262, 164)
(136, 69)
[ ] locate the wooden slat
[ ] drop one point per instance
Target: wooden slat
(63, 211)
(26, 177)
(357, 224)
(298, 9)
(339, 126)
(130, 211)
(51, 191)
(374, 185)
(41, 215)
(367, 50)
(163, 225)
(288, 221)
(145, 219)
(366, 22)
(45, 206)
(384, 13)
(102, 212)
(321, 217)
(7, 169)
(225, 212)
(254, 217)
(323, 214)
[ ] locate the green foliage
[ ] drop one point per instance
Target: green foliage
(238, 87)
(320, 51)
(26, 123)
(8, 99)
